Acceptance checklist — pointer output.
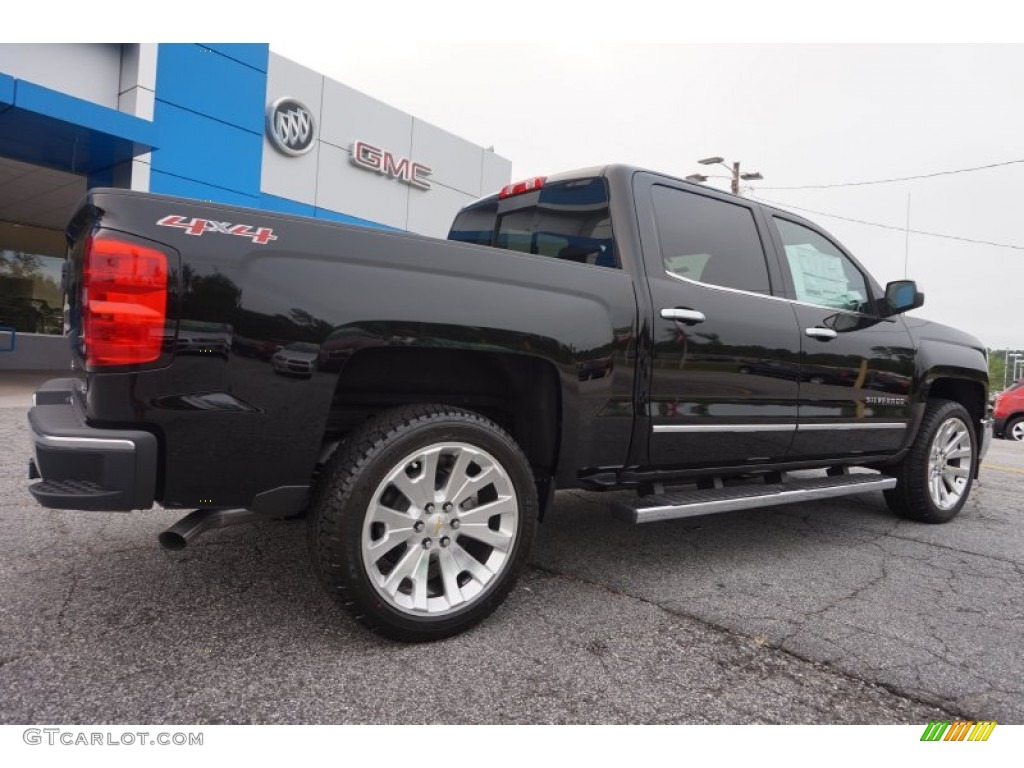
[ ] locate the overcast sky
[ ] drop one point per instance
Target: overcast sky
(799, 114)
(554, 85)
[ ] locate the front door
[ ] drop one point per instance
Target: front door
(855, 366)
(725, 376)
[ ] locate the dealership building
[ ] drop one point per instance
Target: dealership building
(228, 123)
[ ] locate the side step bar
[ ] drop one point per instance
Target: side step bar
(692, 503)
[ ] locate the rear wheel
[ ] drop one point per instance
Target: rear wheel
(1015, 429)
(935, 478)
(424, 521)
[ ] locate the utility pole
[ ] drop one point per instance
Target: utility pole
(734, 178)
(1007, 357)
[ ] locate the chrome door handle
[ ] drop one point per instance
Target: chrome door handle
(825, 334)
(683, 315)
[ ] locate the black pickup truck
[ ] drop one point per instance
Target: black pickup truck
(610, 328)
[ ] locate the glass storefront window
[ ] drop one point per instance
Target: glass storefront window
(31, 299)
(31, 260)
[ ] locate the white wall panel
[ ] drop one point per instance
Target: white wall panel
(495, 174)
(326, 177)
(454, 162)
(294, 178)
(431, 212)
(87, 71)
(346, 188)
(353, 116)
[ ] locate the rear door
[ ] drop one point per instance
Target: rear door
(855, 366)
(724, 379)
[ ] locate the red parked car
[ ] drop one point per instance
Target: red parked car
(1009, 412)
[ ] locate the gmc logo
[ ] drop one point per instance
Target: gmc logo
(402, 168)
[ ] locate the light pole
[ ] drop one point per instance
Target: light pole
(1007, 357)
(734, 169)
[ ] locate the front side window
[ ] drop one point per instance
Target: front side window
(822, 274)
(710, 240)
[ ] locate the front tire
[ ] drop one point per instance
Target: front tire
(935, 478)
(424, 521)
(1015, 429)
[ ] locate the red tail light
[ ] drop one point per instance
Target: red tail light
(522, 186)
(124, 302)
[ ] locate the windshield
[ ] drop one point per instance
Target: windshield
(564, 220)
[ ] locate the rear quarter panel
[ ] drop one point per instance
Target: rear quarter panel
(231, 427)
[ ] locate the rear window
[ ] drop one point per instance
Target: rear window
(566, 220)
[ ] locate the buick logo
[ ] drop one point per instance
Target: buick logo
(290, 126)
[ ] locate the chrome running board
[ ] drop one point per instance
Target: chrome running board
(692, 503)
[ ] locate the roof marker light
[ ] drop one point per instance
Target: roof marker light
(520, 187)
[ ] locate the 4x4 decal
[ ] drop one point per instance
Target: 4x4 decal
(197, 227)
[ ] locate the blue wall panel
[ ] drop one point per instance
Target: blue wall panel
(101, 178)
(209, 151)
(284, 205)
(200, 79)
(42, 126)
(209, 111)
(43, 101)
(166, 184)
(255, 55)
(206, 135)
(6, 90)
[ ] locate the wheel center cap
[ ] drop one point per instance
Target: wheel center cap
(437, 523)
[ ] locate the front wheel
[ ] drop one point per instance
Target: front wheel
(424, 521)
(1015, 429)
(935, 478)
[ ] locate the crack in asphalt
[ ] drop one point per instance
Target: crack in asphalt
(945, 707)
(934, 584)
(75, 577)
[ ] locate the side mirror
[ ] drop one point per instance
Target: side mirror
(902, 296)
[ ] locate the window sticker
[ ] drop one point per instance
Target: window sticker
(819, 278)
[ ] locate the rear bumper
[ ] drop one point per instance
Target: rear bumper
(83, 467)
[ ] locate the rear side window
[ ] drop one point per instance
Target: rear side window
(710, 240)
(566, 220)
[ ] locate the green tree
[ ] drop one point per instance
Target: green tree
(1001, 370)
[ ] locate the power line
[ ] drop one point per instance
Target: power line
(888, 226)
(902, 178)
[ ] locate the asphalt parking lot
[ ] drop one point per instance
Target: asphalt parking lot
(832, 612)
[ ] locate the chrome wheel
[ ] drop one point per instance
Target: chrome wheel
(439, 529)
(949, 463)
(1016, 431)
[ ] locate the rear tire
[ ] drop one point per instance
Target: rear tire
(424, 521)
(935, 478)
